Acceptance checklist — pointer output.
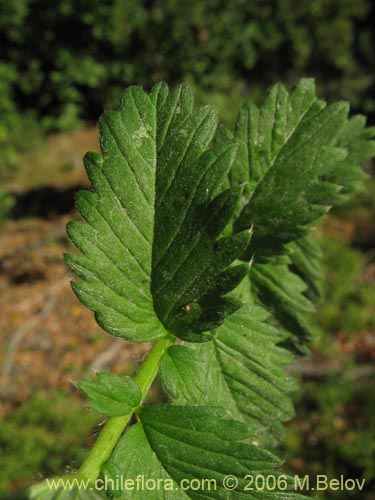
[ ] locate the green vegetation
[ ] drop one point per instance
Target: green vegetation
(61, 64)
(348, 307)
(6, 203)
(331, 434)
(335, 409)
(197, 234)
(51, 81)
(47, 433)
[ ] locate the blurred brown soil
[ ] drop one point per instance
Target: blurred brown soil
(58, 162)
(48, 339)
(60, 340)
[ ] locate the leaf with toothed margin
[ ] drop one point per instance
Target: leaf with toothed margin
(305, 256)
(112, 395)
(166, 245)
(358, 140)
(286, 153)
(175, 447)
(297, 157)
(153, 258)
(275, 286)
(241, 370)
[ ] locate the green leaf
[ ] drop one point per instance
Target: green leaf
(134, 458)
(112, 395)
(243, 373)
(285, 151)
(305, 256)
(356, 139)
(182, 375)
(305, 253)
(293, 172)
(153, 259)
(296, 157)
(181, 443)
(282, 292)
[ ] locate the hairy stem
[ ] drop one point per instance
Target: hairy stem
(115, 426)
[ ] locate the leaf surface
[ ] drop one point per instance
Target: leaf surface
(359, 142)
(242, 371)
(285, 150)
(112, 395)
(182, 443)
(152, 256)
(183, 375)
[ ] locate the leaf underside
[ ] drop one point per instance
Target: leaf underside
(152, 257)
(297, 156)
(179, 443)
(241, 370)
(112, 395)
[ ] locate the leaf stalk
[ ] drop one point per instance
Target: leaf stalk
(114, 427)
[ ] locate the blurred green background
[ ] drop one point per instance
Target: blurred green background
(61, 64)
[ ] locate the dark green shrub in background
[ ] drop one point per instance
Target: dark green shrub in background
(67, 59)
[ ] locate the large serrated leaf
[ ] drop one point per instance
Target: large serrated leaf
(285, 154)
(134, 458)
(242, 369)
(297, 157)
(180, 444)
(153, 256)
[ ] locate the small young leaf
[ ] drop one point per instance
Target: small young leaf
(112, 395)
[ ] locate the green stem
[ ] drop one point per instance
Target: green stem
(115, 426)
